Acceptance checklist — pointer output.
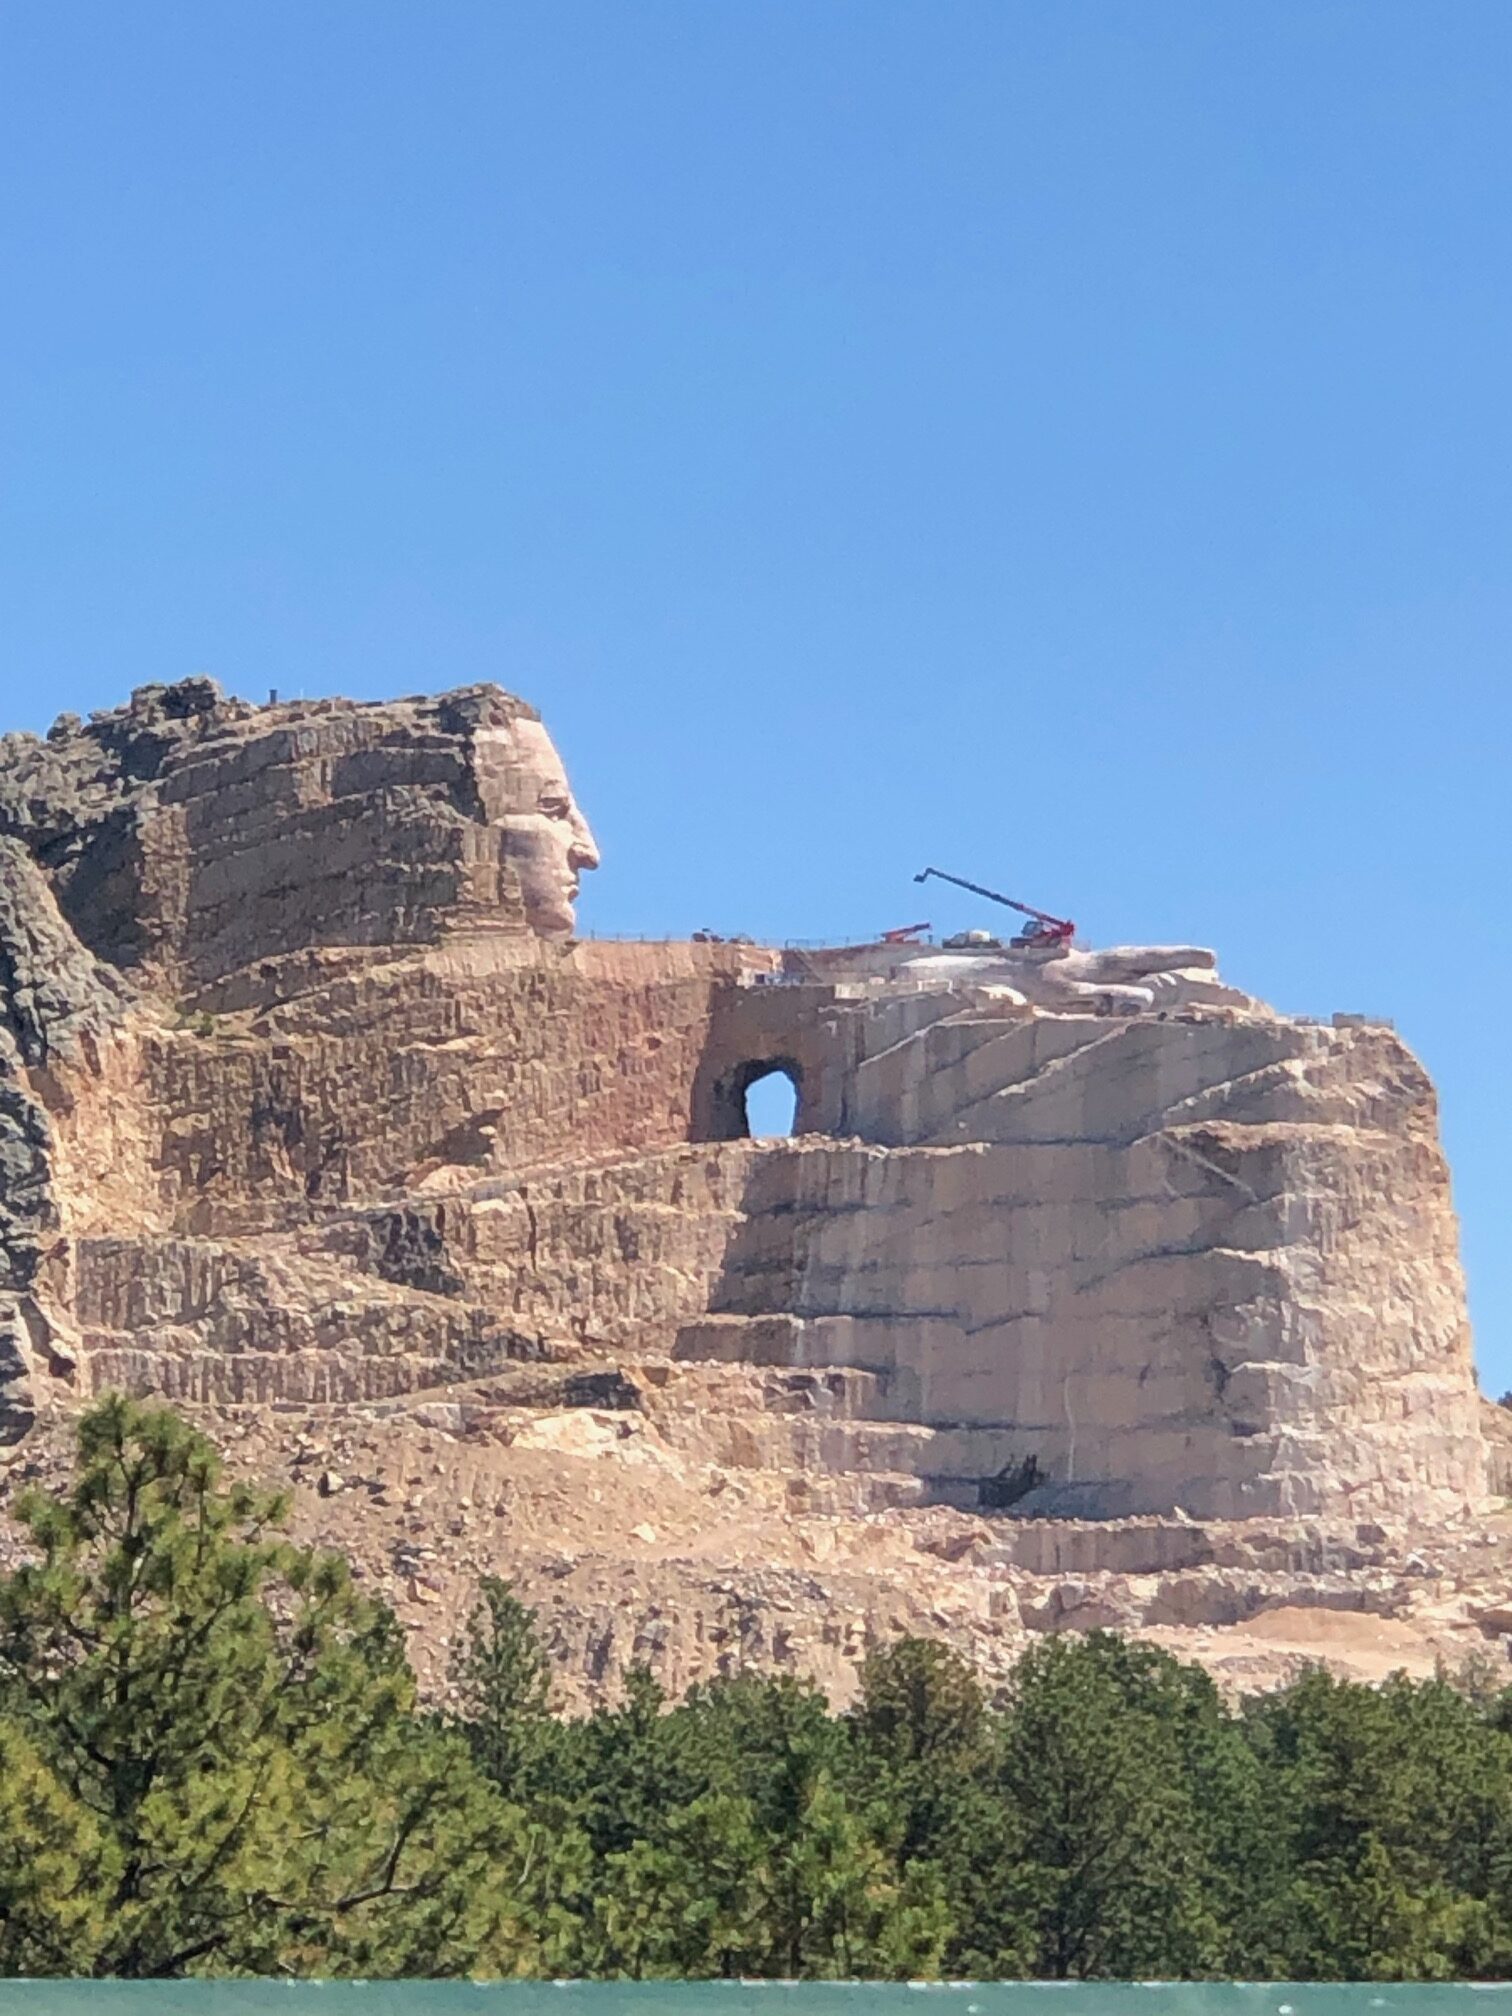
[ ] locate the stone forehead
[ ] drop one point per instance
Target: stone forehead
(482, 706)
(457, 710)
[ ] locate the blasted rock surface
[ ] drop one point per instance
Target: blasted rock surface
(311, 1102)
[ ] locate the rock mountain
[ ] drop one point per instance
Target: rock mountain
(1088, 1289)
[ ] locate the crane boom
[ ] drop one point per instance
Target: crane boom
(1054, 927)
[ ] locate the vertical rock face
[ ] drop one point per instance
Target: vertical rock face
(56, 1006)
(308, 1095)
(1207, 1261)
(190, 836)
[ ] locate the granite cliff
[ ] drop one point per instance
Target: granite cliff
(1089, 1289)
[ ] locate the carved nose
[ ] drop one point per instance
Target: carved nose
(584, 852)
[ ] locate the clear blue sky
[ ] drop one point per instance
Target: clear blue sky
(1066, 442)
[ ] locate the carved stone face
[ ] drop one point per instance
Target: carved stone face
(545, 837)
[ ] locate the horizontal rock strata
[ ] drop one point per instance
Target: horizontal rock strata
(297, 1112)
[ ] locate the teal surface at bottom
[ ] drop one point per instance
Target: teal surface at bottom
(744, 1998)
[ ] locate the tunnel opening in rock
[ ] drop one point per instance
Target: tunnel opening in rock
(767, 1098)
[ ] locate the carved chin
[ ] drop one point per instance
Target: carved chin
(551, 916)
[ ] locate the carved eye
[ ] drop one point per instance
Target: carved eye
(554, 804)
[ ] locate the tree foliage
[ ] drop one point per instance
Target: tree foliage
(212, 1760)
(501, 1679)
(211, 1745)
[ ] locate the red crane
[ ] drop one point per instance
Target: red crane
(1042, 930)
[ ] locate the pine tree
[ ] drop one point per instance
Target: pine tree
(501, 1679)
(1395, 1807)
(1118, 1866)
(924, 1754)
(58, 1867)
(828, 1902)
(221, 1736)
